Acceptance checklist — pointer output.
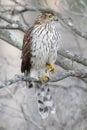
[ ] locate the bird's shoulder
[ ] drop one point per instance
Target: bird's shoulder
(27, 37)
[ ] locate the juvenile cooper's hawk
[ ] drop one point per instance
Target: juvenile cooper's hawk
(40, 46)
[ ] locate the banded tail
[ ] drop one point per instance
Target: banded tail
(45, 102)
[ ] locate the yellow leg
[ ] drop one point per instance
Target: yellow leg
(44, 78)
(50, 67)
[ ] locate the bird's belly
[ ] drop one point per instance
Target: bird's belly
(43, 55)
(40, 58)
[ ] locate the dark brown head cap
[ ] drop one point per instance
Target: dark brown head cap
(47, 12)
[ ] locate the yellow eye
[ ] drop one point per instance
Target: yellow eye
(50, 16)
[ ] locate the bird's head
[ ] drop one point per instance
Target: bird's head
(46, 16)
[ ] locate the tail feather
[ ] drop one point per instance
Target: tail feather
(45, 102)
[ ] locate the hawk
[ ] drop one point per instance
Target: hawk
(40, 46)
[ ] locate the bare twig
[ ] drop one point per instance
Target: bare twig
(14, 24)
(10, 26)
(67, 64)
(16, 79)
(73, 73)
(72, 26)
(60, 16)
(24, 20)
(10, 82)
(73, 57)
(31, 8)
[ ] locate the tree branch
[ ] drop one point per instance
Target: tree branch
(67, 65)
(17, 42)
(60, 16)
(73, 57)
(70, 24)
(10, 26)
(74, 73)
(14, 24)
(11, 38)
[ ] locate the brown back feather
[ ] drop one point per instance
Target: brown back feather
(26, 51)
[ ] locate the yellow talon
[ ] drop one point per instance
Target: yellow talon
(45, 78)
(50, 67)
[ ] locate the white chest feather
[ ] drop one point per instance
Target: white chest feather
(44, 45)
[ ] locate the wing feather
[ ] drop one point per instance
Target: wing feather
(26, 51)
